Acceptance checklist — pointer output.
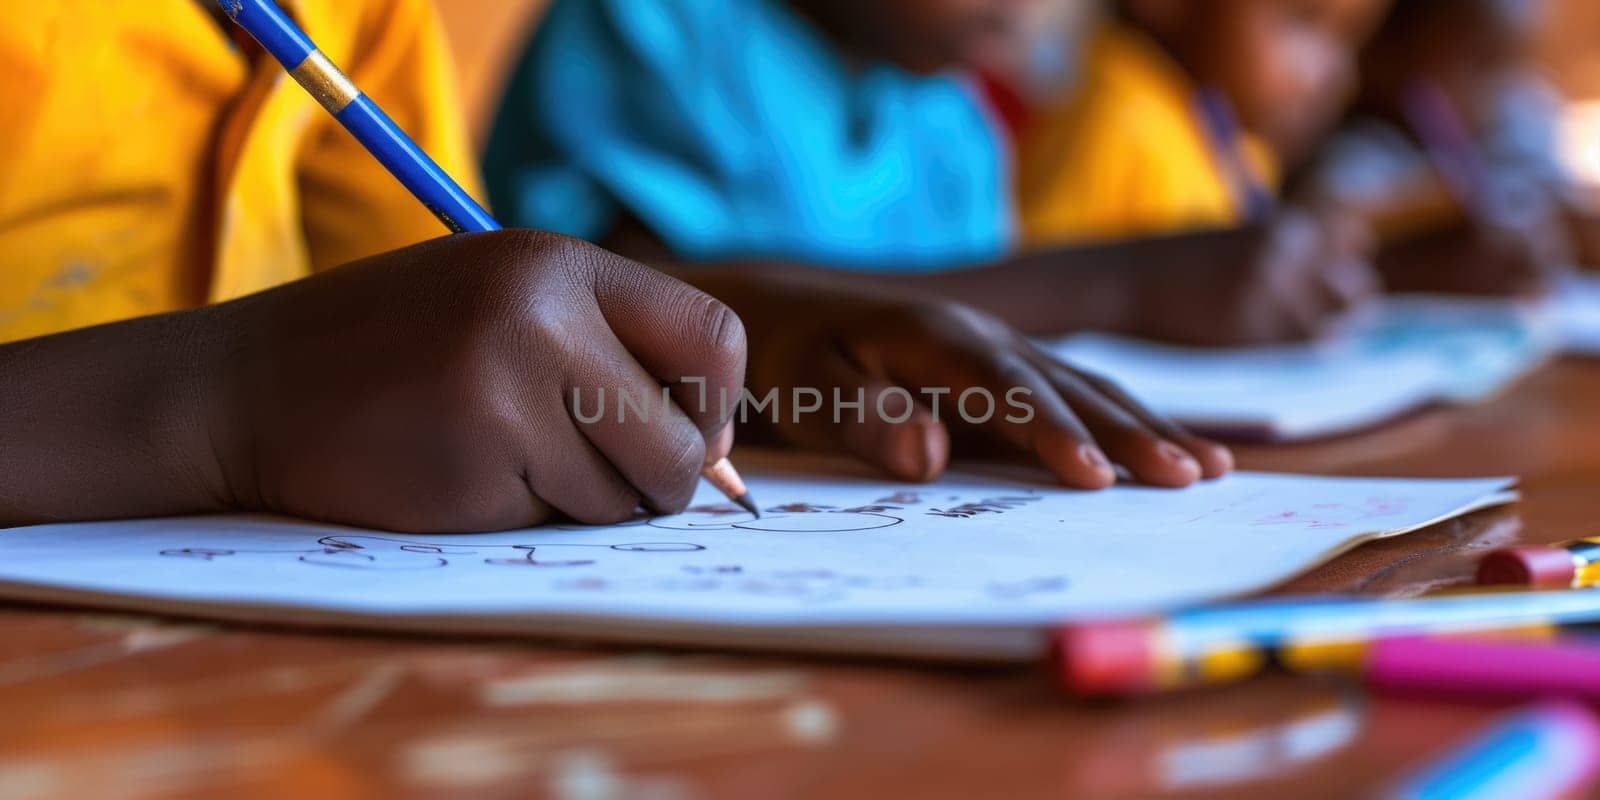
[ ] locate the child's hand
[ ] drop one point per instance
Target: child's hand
(900, 356)
(431, 389)
(1469, 260)
(1583, 226)
(1517, 247)
(1293, 278)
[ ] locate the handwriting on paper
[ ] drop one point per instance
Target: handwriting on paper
(977, 548)
(403, 553)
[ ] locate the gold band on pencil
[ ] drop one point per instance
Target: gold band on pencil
(326, 82)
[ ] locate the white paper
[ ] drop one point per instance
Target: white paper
(1411, 353)
(1577, 311)
(975, 564)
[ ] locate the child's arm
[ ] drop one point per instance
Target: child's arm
(110, 421)
(1291, 278)
(427, 389)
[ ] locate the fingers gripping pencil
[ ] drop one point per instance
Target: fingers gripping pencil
(420, 174)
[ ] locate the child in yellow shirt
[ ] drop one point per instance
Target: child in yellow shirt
(1184, 112)
(150, 161)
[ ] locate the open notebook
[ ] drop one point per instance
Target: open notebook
(1411, 353)
(978, 565)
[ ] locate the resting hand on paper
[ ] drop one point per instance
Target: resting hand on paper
(1295, 277)
(427, 389)
(900, 356)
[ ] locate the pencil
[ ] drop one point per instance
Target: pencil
(1225, 135)
(1547, 750)
(284, 39)
(1447, 142)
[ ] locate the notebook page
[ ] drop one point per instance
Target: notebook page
(978, 549)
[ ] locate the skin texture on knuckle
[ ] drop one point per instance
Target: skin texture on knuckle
(531, 302)
(703, 328)
(956, 317)
(715, 335)
(1009, 368)
(491, 278)
(726, 338)
(573, 264)
(521, 271)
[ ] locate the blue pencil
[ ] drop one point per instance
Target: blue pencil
(1448, 143)
(1545, 751)
(290, 45)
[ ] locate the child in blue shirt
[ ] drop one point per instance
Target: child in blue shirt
(739, 130)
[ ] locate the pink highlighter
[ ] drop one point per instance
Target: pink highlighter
(1485, 669)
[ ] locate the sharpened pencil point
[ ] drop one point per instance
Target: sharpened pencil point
(749, 505)
(723, 476)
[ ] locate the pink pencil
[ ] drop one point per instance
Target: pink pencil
(1491, 670)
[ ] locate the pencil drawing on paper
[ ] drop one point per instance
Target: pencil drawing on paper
(390, 553)
(789, 518)
(825, 553)
(399, 552)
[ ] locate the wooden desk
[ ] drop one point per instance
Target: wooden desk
(98, 705)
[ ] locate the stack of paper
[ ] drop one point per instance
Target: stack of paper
(978, 565)
(1411, 353)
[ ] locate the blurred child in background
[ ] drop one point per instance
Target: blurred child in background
(759, 127)
(782, 136)
(1450, 152)
(1184, 113)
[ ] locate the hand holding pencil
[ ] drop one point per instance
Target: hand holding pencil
(406, 393)
(278, 33)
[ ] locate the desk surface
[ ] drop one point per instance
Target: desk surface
(100, 704)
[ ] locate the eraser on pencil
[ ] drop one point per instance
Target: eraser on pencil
(1106, 658)
(1532, 565)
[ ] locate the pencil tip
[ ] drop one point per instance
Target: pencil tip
(748, 504)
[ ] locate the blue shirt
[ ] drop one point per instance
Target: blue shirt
(735, 129)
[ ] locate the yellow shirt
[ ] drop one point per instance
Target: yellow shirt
(1128, 154)
(148, 163)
